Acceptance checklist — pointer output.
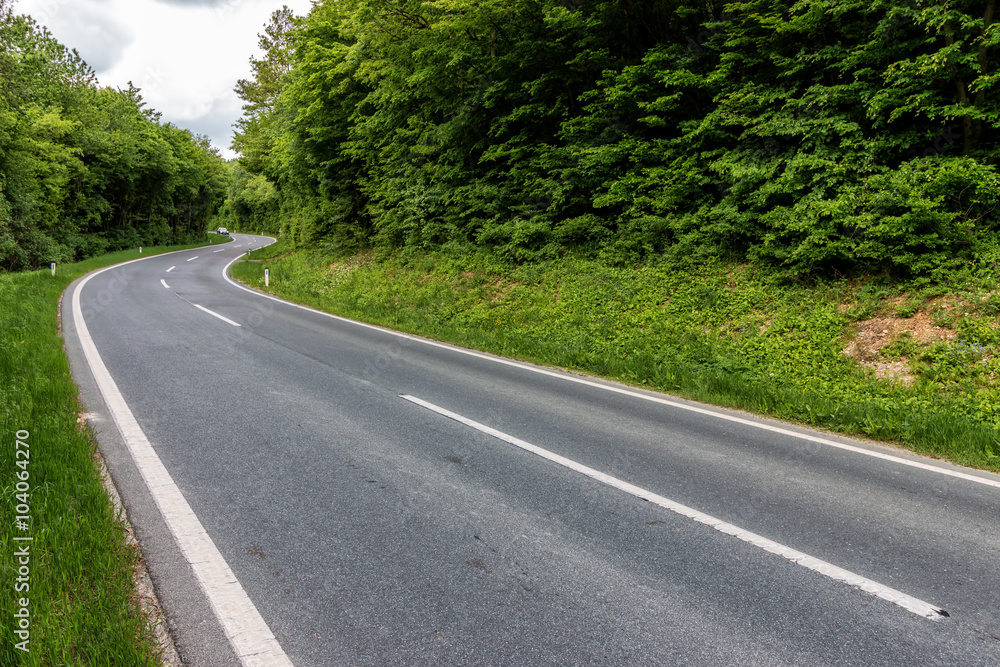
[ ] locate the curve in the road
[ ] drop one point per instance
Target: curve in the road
(250, 637)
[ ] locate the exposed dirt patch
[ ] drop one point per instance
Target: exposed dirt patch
(499, 289)
(871, 335)
(898, 371)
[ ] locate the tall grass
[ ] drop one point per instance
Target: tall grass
(81, 597)
(725, 334)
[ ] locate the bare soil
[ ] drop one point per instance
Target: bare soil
(872, 335)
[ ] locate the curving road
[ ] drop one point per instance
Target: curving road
(312, 491)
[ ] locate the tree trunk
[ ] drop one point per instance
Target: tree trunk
(984, 62)
(962, 91)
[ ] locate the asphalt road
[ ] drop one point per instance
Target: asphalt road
(367, 528)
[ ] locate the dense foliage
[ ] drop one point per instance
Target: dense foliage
(86, 169)
(817, 136)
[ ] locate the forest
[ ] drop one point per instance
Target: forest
(86, 169)
(817, 137)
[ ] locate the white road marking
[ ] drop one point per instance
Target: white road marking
(213, 314)
(164, 283)
(907, 602)
(634, 394)
(171, 269)
(249, 635)
(193, 258)
(215, 251)
(237, 246)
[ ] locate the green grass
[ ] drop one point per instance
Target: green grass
(726, 334)
(81, 597)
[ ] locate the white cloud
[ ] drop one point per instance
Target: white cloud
(186, 55)
(99, 37)
(192, 3)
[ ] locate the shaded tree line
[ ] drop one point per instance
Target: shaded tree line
(817, 136)
(86, 169)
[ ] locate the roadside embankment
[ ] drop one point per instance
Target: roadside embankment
(868, 358)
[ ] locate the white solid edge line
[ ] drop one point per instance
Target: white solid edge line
(626, 392)
(164, 283)
(907, 602)
(251, 638)
(213, 314)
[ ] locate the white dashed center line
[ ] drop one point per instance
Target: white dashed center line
(909, 603)
(250, 637)
(712, 413)
(193, 258)
(224, 319)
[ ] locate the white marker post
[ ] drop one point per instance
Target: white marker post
(140, 250)
(267, 277)
(53, 267)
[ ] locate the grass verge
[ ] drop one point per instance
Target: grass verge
(76, 576)
(726, 334)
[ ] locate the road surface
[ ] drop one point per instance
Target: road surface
(313, 491)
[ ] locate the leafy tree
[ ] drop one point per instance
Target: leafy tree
(814, 135)
(85, 169)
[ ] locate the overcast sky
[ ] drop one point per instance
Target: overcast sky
(185, 55)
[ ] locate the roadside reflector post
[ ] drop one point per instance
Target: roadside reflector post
(140, 250)
(53, 267)
(267, 277)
